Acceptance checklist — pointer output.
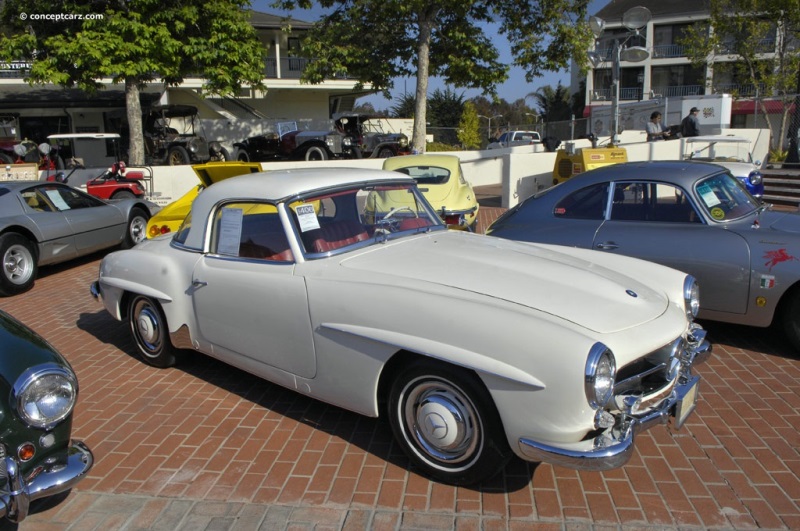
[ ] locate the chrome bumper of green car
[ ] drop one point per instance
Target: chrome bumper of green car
(54, 475)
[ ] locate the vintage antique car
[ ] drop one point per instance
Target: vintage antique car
(372, 140)
(289, 142)
(442, 182)
(43, 223)
(693, 216)
(173, 135)
(281, 275)
(732, 152)
(39, 390)
(170, 217)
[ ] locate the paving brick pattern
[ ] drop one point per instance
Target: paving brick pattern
(205, 446)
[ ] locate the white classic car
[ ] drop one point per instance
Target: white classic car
(476, 348)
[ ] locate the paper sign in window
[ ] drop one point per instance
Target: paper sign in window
(708, 195)
(57, 200)
(306, 217)
(230, 231)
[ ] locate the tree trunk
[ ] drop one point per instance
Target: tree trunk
(423, 66)
(134, 107)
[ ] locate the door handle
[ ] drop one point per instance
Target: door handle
(198, 283)
(607, 246)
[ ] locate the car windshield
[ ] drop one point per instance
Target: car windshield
(720, 151)
(426, 174)
(361, 216)
(725, 198)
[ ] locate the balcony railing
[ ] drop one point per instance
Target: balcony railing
(763, 46)
(635, 93)
(739, 89)
(668, 50)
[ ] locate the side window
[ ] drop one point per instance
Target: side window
(586, 203)
(250, 230)
(656, 202)
(36, 200)
(65, 198)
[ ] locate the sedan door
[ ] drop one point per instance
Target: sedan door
(247, 299)
(657, 222)
(95, 224)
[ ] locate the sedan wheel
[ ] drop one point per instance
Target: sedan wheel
(149, 329)
(445, 421)
(137, 228)
(19, 264)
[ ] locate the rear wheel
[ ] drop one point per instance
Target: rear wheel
(19, 264)
(385, 153)
(242, 156)
(123, 194)
(150, 333)
(137, 228)
(445, 420)
(6, 159)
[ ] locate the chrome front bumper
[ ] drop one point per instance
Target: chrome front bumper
(614, 447)
(55, 475)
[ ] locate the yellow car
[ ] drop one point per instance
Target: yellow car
(169, 218)
(441, 181)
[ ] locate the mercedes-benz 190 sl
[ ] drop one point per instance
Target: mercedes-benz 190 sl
(550, 353)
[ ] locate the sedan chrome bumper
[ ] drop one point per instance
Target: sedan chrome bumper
(614, 447)
(55, 475)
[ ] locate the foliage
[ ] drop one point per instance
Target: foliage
(778, 155)
(405, 107)
(444, 38)
(445, 108)
(135, 43)
(468, 134)
(752, 42)
(554, 103)
(440, 146)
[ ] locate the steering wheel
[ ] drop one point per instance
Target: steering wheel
(394, 211)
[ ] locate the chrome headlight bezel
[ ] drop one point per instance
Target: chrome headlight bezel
(45, 395)
(755, 178)
(691, 297)
(600, 375)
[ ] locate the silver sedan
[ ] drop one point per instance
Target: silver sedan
(692, 216)
(44, 223)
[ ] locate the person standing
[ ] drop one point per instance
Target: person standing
(690, 126)
(655, 129)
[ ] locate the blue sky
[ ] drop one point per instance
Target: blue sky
(514, 88)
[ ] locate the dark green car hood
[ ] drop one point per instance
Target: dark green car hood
(21, 348)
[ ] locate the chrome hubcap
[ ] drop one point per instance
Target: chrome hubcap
(18, 264)
(138, 228)
(442, 421)
(148, 328)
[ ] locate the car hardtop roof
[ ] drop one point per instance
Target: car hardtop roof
(84, 136)
(718, 138)
(279, 185)
(677, 171)
(17, 184)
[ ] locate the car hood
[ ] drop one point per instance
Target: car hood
(782, 221)
(214, 172)
(536, 277)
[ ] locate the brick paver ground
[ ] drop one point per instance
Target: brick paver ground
(205, 446)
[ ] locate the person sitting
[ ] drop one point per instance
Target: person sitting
(690, 126)
(656, 129)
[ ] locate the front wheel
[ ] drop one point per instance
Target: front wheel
(790, 318)
(242, 156)
(150, 333)
(444, 419)
(315, 153)
(385, 153)
(123, 194)
(19, 264)
(177, 156)
(137, 228)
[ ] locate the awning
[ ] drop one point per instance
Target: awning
(749, 106)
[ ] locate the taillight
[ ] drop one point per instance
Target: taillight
(454, 219)
(155, 230)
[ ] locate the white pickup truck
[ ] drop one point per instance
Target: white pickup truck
(516, 138)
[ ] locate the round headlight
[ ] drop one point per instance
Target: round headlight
(45, 395)
(755, 178)
(403, 141)
(601, 370)
(691, 296)
(194, 145)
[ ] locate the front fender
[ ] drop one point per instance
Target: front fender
(449, 353)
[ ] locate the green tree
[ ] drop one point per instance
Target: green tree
(443, 38)
(405, 107)
(554, 103)
(468, 134)
(753, 41)
(136, 42)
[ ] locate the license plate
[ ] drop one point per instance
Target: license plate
(686, 402)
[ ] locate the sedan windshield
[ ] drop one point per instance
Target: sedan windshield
(725, 198)
(361, 216)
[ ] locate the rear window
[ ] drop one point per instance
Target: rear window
(427, 174)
